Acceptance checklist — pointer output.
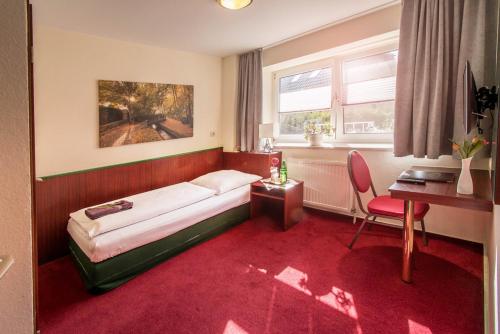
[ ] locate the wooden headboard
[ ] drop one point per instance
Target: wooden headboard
(250, 162)
(58, 196)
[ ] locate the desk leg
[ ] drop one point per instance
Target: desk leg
(408, 240)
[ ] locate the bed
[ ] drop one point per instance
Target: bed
(113, 253)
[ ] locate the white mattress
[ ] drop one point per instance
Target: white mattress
(119, 241)
(147, 205)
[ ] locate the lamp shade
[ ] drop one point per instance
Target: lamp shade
(266, 130)
(234, 4)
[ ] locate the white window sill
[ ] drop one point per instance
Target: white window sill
(344, 146)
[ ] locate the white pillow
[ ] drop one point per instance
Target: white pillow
(224, 180)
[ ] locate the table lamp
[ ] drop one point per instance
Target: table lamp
(266, 131)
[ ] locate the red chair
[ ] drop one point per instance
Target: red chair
(380, 206)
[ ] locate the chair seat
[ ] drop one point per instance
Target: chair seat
(388, 206)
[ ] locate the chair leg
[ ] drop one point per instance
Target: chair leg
(358, 233)
(424, 235)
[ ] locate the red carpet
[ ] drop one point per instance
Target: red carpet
(257, 279)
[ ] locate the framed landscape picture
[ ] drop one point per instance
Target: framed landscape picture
(138, 112)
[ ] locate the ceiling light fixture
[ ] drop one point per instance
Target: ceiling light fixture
(234, 4)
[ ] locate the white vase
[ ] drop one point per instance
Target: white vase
(316, 139)
(464, 185)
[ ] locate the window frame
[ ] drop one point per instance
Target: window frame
(337, 109)
(317, 65)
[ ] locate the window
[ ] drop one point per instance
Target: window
(352, 92)
(368, 90)
(304, 97)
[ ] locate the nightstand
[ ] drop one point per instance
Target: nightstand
(283, 201)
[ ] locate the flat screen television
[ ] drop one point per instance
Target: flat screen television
(470, 100)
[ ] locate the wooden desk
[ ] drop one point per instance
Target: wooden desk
(441, 194)
(288, 198)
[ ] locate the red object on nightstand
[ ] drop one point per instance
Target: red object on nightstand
(285, 201)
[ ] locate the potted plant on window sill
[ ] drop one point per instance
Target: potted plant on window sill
(466, 151)
(314, 133)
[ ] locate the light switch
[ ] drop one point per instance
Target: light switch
(5, 262)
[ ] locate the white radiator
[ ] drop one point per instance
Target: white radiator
(326, 184)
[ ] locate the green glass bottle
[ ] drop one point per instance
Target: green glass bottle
(283, 172)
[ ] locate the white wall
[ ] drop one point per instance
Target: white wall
(377, 26)
(493, 231)
(493, 258)
(229, 93)
(385, 168)
(67, 67)
(358, 28)
(16, 288)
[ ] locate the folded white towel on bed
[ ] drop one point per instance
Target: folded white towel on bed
(146, 206)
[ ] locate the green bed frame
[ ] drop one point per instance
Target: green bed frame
(108, 274)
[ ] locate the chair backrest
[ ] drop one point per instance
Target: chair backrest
(358, 172)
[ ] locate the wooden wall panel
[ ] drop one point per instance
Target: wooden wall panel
(57, 197)
(51, 204)
(250, 162)
(188, 167)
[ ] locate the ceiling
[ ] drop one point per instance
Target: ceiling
(197, 25)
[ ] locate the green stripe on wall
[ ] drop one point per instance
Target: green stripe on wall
(127, 163)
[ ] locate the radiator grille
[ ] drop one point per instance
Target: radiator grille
(326, 184)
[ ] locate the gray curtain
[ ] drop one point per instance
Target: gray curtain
(436, 38)
(249, 101)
